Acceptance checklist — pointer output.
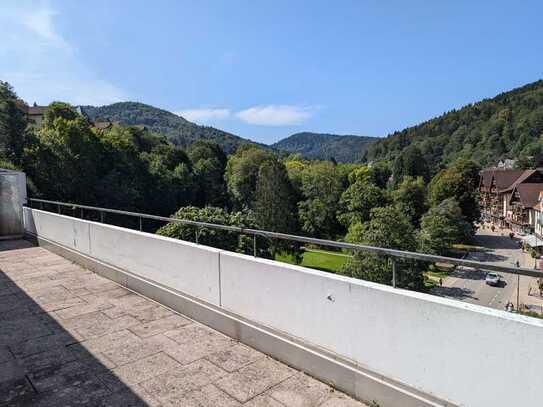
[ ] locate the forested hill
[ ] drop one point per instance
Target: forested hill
(325, 146)
(509, 125)
(179, 130)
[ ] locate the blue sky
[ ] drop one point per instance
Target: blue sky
(267, 69)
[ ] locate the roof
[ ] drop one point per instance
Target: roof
(532, 241)
(36, 110)
(525, 175)
(486, 177)
(102, 125)
(505, 178)
(528, 194)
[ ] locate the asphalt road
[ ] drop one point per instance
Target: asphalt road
(469, 285)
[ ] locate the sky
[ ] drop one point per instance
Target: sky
(267, 69)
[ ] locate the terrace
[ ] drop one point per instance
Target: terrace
(107, 315)
(69, 337)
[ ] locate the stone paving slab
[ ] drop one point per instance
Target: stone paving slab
(70, 337)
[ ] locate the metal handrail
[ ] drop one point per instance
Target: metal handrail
(322, 242)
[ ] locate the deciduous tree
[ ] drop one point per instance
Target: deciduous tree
(441, 227)
(388, 228)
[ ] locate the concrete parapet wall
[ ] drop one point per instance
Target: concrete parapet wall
(406, 348)
(187, 267)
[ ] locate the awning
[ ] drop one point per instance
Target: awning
(533, 241)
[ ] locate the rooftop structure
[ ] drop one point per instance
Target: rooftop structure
(508, 197)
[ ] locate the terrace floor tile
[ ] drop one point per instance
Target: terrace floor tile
(71, 337)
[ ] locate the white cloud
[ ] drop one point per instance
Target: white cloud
(276, 115)
(204, 115)
(41, 64)
(269, 115)
(40, 21)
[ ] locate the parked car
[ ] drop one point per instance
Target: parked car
(493, 279)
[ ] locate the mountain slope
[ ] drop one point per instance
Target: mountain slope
(179, 130)
(326, 146)
(509, 125)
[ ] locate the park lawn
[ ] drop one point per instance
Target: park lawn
(320, 260)
(431, 277)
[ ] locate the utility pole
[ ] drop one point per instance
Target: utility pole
(518, 287)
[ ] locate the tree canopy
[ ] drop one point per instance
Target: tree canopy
(388, 228)
(441, 227)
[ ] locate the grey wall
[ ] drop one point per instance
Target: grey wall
(12, 198)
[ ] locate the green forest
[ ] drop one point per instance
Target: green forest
(178, 130)
(509, 125)
(319, 146)
(134, 169)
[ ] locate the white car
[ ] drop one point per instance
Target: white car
(492, 279)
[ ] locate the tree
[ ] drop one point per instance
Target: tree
(460, 182)
(321, 188)
(208, 163)
(487, 131)
(221, 239)
(120, 167)
(387, 228)
(358, 200)
(380, 173)
(410, 198)
(410, 163)
(65, 159)
(242, 173)
(59, 110)
(12, 126)
(441, 227)
(171, 176)
(275, 205)
(295, 167)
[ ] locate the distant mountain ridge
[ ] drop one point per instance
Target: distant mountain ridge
(178, 130)
(507, 126)
(323, 146)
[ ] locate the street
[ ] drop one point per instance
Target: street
(469, 285)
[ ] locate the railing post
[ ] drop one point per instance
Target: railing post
(393, 273)
(254, 245)
(141, 224)
(197, 234)
(102, 216)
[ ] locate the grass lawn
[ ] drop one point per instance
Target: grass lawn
(318, 259)
(432, 276)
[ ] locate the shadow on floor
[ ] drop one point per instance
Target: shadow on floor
(41, 363)
(454, 292)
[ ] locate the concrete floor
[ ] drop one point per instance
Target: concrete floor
(69, 337)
